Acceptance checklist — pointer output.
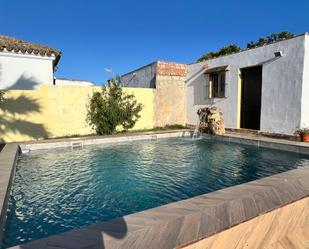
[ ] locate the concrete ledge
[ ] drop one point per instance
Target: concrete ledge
(266, 142)
(84, 141)
(8, 157)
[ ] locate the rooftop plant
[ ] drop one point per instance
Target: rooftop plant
(111, 108)
(260, 42)
(270, 39)
(223, 51)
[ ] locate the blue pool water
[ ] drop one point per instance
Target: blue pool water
(55, 191)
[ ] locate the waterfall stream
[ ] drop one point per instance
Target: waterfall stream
(196, 132)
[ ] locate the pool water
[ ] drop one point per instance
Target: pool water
(55, 191)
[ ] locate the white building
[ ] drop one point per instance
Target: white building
(71, 82)
(264, 88)
(25, 65)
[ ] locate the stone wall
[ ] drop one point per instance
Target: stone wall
(170, 94)
(168, 81)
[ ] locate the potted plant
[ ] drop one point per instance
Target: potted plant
(303, 133)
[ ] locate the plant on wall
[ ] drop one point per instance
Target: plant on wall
(270, 39)
(111, 108)
(223, 51)
(260, 42)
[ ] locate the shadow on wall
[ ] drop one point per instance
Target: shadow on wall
(200, 85)
(199, 82)
(12, 110)
(24, 83)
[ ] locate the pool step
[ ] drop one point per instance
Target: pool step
(77, 145)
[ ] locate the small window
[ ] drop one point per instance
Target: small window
(217, 85)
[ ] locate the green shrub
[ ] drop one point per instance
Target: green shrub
(111, 108)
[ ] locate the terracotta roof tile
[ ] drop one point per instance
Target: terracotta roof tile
(16, 45)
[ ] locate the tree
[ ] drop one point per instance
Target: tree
(223, 51)
(262, 41)
(285, 35)
(111, 108)
(229, 49)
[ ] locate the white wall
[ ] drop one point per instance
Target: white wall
(305, 88)
(281, 85)
(69, 82)
(25, 72)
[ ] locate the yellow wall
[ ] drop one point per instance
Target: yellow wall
(58, 111)
(239, 100)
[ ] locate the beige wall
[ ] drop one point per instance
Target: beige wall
(170, 100)
(58, 111)
(170, 96)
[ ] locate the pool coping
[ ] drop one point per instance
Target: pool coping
(180, 223)
(95, 140)
(8, 157)
(260, 141)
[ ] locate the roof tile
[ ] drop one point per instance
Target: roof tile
(16, 45)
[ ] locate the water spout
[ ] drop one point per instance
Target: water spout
(196, 132)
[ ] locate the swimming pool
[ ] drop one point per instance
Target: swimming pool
(55, 191)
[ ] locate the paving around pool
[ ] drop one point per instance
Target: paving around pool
(153, 190)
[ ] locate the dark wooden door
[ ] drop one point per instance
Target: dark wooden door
(251, 97)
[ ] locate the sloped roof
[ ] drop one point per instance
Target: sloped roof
(16, 45)
(217, 69)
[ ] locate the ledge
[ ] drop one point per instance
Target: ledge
(92, 140)
(260, 141)
(8, 157)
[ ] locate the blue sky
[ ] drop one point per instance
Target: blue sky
(124, 35)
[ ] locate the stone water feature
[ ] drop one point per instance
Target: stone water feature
(211, 120)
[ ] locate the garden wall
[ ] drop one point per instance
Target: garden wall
(58, 111)
(170, 96)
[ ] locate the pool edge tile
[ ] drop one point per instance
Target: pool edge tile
(8, 157)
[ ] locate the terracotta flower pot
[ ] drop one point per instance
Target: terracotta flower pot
(304, 137)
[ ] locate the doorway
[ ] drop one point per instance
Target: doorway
(251, 97)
